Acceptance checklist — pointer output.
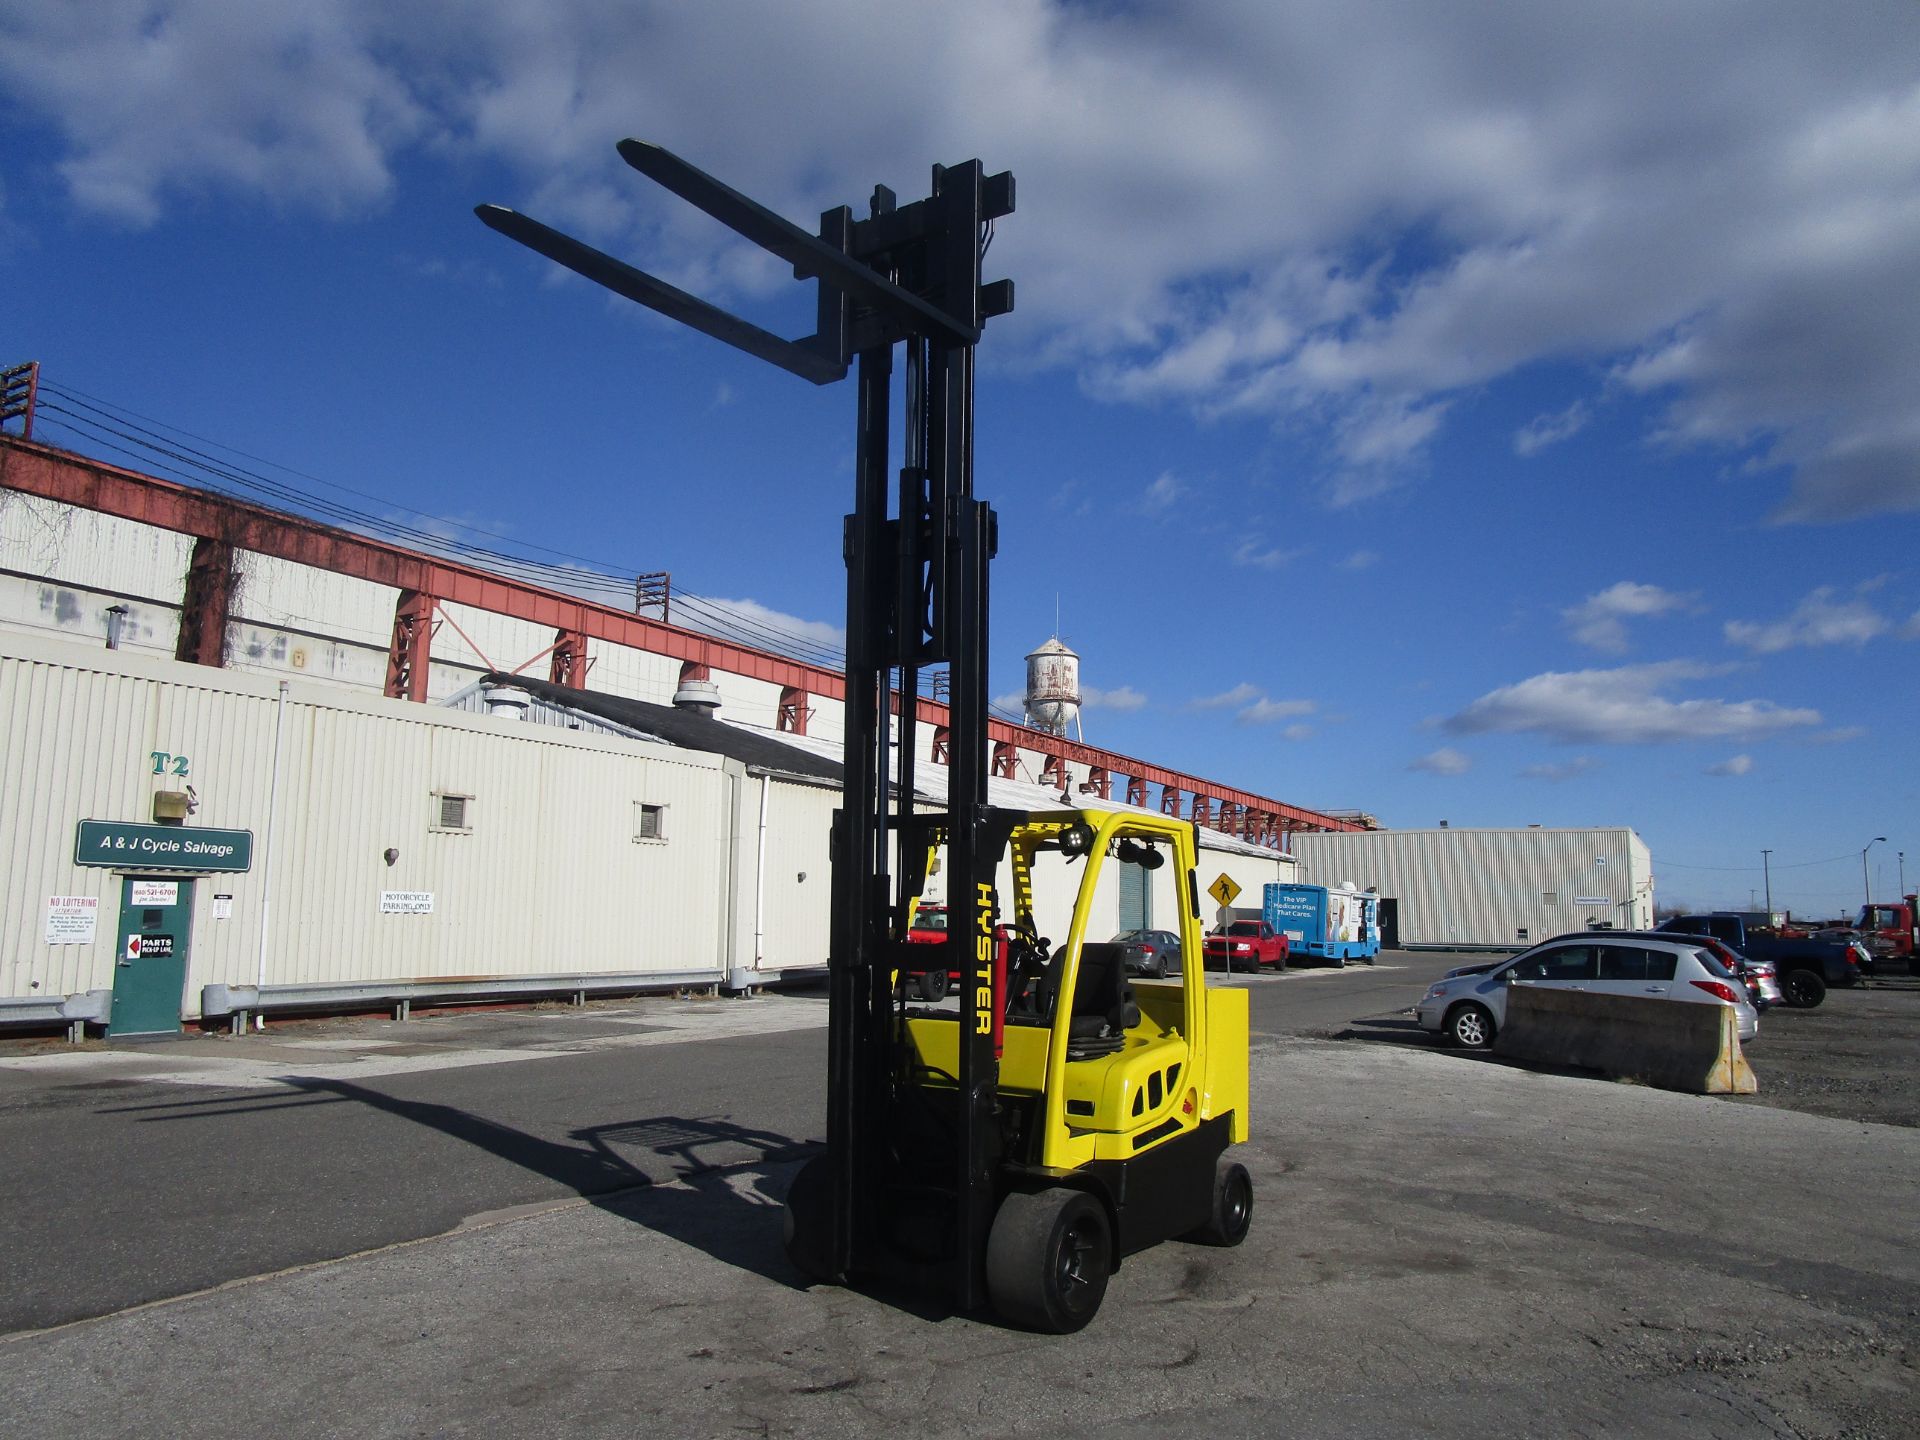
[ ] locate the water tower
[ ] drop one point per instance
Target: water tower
(1053, 688)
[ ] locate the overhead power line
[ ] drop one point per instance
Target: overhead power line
(191, 458)
(1777, 865)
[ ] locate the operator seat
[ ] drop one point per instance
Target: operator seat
(1103, 1009)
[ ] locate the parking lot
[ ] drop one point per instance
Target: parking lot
(559, 1221)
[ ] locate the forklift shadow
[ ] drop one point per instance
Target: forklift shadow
(708, 1183)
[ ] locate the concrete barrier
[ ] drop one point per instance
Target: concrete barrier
(1668, 1043)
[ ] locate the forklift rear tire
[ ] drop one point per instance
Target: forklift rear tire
(1048, 1258)
(933, 984)
(804, 1225)
(1232, 1206)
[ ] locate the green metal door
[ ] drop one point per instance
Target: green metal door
(150, 975)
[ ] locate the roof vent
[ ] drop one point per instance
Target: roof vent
(700, 695)
(509, 702)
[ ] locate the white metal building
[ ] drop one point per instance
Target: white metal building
(397, 851)
(1507, 888)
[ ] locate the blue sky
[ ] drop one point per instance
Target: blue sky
(1491, 414)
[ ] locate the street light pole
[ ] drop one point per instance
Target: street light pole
(1866, 884)
(1766, 869)
(1903, 873)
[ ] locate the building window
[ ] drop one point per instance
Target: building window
(649, 821)
(452, 812)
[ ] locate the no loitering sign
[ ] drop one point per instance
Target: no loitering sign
(71, 919)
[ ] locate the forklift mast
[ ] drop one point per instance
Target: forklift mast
(917, 548)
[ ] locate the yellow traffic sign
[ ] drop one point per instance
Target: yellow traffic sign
(1224, 890)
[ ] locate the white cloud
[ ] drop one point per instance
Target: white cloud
(1839, 735)
(1255, 554)
(1251, 706)
(752, 623)
(1266, 712)
(1567, 770)
(1819, 620)
(290, 103)
(1444, 761)
(1911, 630)
(1297, 732)
(1125, 698)
(1364, 209)
(1545, 430)
(1599, 620)
(1624, 706)
(1240, 694)
(1361, 560)
(1733, 765)
(1163, 493)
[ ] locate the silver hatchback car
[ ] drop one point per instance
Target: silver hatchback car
(1469, 1005)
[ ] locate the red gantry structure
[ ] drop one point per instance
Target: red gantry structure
(222, 525)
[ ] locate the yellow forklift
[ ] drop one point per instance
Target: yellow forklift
(1014, 1147)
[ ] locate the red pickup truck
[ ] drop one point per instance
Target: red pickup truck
(1247, 945)
(1888, 931)
(929, 980)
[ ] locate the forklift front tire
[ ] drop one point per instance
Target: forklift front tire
(1232, 1206)
(1048, 1258)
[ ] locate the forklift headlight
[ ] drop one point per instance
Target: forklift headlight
(1076, 839)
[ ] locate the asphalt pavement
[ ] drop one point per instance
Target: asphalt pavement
(563, 1222)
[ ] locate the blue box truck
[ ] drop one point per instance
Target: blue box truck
(1337, 924)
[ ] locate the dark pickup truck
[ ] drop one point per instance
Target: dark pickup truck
(1805, 966)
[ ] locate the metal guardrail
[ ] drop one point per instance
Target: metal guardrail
(76, 1012)
(242, 1002)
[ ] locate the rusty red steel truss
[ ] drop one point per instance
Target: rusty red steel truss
(222, 524)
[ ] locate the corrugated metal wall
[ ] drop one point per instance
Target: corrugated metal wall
(309, 624)
(79, 742)
(797, 879)
(1491, 887)
(548, 879)
(71, 564)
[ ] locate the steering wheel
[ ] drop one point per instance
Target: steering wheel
(1027, 957)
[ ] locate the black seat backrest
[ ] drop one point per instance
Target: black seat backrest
(1102, 999)
(1101, 987)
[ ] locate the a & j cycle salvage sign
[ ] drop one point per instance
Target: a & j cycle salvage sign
(130, 845)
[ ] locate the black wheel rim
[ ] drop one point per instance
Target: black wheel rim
(1238, 1208)
(1078, 1266)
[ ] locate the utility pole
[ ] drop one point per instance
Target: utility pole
(1866, 884)
(1903, 873)
(1766, 869)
